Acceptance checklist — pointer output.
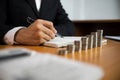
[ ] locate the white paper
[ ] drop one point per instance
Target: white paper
(48, 67)
(60, 42)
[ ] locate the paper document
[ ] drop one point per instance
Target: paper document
(48, 67)
(60, 42)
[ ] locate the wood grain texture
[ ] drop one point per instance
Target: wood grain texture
(107, 57)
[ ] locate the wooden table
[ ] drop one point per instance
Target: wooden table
(107, 57)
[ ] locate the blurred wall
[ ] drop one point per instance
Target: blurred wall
(92, 9)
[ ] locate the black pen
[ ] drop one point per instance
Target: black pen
(13, 53)
(30, 20)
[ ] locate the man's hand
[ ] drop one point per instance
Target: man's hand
(37, 33)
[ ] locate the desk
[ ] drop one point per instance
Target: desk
(107, 57)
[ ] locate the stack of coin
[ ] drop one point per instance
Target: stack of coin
(78, 45)
(62, 51)
(84, 43)
(71, 48)
(90, 41)
(95, 38)
(100, 37)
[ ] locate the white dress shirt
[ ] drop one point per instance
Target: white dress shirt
(9, 36)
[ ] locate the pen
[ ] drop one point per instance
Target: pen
(30, 20)
(13, 56)
(13, 53)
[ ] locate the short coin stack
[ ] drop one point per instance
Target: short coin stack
(84, 43)
(78, 45)
(62, 51)
(71, 48)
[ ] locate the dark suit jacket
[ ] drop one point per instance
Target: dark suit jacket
(13, 13)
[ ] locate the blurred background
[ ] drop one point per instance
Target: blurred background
(90, 15)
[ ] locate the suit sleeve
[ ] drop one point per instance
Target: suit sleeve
(4, 28)
(62, 23)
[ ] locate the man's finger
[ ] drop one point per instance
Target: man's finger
(47, 24)
(47, 31)
(44, 36)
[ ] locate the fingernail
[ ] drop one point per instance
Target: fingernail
(55, 31)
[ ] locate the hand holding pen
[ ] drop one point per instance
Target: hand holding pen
(30, 20)
(37, 33)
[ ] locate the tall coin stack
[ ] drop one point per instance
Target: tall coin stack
(84, 43)
(100, 37)
(90, 41)
(78, 45)
(95, 39)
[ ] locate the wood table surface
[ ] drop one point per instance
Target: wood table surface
(107, 57)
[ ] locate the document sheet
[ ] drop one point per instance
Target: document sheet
(47, 67)
(61, 41)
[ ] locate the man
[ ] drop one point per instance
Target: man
(50, 18)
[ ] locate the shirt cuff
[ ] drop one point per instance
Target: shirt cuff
(9, 36)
